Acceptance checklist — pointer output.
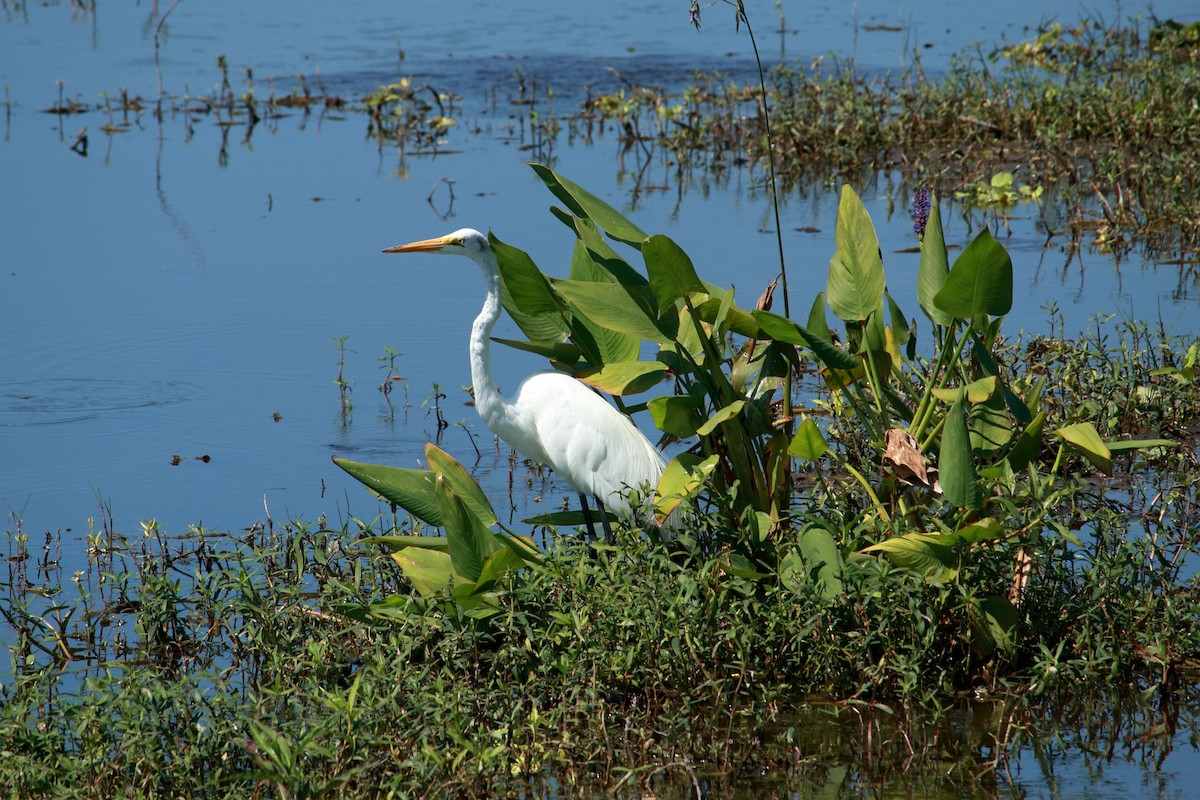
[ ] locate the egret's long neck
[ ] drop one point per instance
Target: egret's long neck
(488, 401)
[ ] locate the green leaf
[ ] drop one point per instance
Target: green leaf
(994, 622)
(727, 413)
(934, 267)
(902, 329)
(783, 329)
(611, 345)
(1086, 440)
(429, 571)
(611, 306)
(527, 286)
(981, 281)
(683, 477)
(558, 519)
(677, 414)
(469, 542)
(625, 378)
(1130, 445)
(740, 566)
(546, 325)
(821, 552)
(672, 276)
(411, 489)
(856, 282)
(808, 443)
(603, 256)
(956, 463)
(1029, 445)
(818, 323)
(396, 543)
(991, 427)
(496, 567)
(562, 352)
(982, 530)
(461, 483)
(979, 391)
(585, 204)
(738, 320)
(930, 554)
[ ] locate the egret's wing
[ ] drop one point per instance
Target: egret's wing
(592, 446)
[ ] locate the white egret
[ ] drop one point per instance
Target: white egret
(553, 418)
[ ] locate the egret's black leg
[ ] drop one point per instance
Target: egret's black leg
(587, 517)
(608, 533)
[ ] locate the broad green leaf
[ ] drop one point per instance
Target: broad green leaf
(562, 352)
(982, 530)
(728, 412)
(979, 391)
(738, 320)
(469, 542)
(1084, 438)
(627, 377)
(956, 463)
(683, 477)
(461, 483)
(585, 204)
(1016, 406)
(527, 286)
(856, 282)
(929, 554)
(1028, 445)
(741, 566)
(558, 519)
(396, 543)
(994, 622)
(610, 305)
(818, 323)
(547, 326)
(429, 571)
(902, 329)
(934, 267)
(672, 276)
(981, 281)
(611, 345)
(496, 567)
(821, 552)
(784, 330)
(411, 489)
(603, 256)
(1129, 445)
(808, 443)
(991, 427)
(677, 414)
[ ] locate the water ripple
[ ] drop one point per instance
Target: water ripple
(52, 401)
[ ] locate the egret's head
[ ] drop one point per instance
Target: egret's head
(463, 242)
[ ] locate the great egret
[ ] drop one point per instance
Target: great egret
(553, 418)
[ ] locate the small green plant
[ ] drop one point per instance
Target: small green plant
(469, 562)
(345, 390)
(1001, 193)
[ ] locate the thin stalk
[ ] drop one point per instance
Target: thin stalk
(766, 116)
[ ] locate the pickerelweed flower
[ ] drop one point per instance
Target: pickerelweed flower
(920, 211)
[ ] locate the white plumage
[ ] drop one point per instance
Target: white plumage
(552, 418)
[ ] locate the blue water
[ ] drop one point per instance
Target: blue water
(163, 298)
(170, 292)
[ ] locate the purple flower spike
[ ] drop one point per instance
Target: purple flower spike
(920, 211)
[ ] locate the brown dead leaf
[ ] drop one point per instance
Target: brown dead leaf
(905, 456)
